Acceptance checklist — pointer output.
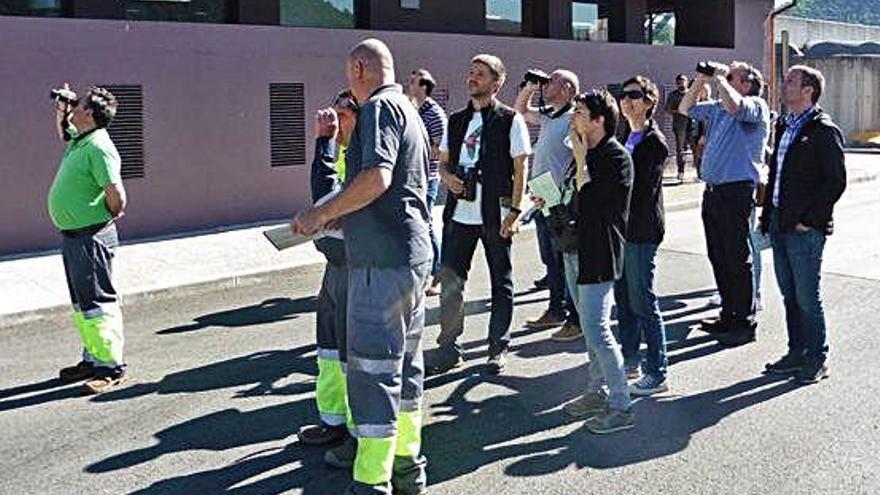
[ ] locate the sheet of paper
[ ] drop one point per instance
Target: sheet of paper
(544, 187)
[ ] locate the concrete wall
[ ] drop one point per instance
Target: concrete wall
(802, 31)
(852, 93)
(206, 112)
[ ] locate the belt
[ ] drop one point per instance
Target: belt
(89, 230)
(712, 187)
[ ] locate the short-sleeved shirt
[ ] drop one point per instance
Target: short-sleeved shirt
(76, 198)
(553, 148)
(471, 212)
(392, 231)
(435, 121)
(735, 142)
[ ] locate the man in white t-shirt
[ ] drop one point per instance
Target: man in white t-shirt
(483, 162)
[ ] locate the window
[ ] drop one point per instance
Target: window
(660, 28)
(504, 16)
(44, 8)
(410, 4)
(176, 10)
(586, 25)
(318, 13)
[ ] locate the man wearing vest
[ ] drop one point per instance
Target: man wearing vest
(388, 251)
(553, 156)
(333, 128)
(86, 197)
(483, 162)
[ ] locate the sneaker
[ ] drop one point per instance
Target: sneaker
(439, 361)
(496, 363)
(787, 364)
(648, 385)
(80, 371)
(738, 336)
(541, 283)
(567, 333)
(342, 456)
(714, 325)
(715, 300)
(633, 372)
(547, 320)
(433, 290)
(104, 381)
(611, 421)
(586, 406)
(812, 373)
(321, 434)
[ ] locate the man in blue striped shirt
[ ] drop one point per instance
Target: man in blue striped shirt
(419, 88)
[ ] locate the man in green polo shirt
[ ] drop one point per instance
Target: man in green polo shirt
(85, 199)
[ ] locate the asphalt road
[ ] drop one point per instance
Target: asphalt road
(222, 381)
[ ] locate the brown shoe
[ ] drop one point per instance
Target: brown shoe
(321, 434)
(81, 371)
(104, 381)
(569, 332)
(547, 320)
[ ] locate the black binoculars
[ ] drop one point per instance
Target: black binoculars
(710, 68)
(537, 76)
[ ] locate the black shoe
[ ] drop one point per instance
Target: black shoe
(541, 283)
(439, 361)
(83, 370)
(322, 434)
(714, 325)
(496, 363)
(789, 363)
(812, 373)
(737, 336)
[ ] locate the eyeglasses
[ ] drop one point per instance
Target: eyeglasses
(634, 94)
(346, 100)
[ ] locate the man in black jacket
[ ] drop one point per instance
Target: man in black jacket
(483, 162)
(807, 176)
(604, 182)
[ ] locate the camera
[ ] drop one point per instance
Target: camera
(563, 226)
(536, 76)
(710, 68)
(63, 95)
(469, 176)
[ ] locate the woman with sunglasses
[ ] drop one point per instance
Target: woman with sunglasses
(638, 310)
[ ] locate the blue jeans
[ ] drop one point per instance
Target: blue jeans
(638, 310)
(431, 198)
(758, 242)
(550, 258)
(605, 364)
(797, 260)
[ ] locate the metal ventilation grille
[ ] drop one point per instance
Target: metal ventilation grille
(287, 124)
(127, 128)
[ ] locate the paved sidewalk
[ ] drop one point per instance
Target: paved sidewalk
(34, 287)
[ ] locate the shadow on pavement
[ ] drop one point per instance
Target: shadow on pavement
(268, 311)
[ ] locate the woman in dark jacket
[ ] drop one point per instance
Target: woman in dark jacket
(638, 310)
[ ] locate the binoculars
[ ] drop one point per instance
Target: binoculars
(536, 76)
(710, 68)
(63, 95)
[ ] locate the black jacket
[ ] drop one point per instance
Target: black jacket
(646, 214)
(602, 213)
(325, 180)
(813, 176)
(495, 163)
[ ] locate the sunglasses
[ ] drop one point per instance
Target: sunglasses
(346, 100)
(634, 94)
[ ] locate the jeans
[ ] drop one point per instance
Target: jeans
(431, 198)
(726, 212)
(758, 242)
(638, 310)
(458, 253)
(605, 364)
(797, 260)
(550, 258)
(681, 143)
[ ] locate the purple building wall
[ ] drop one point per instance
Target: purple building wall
(206, 104)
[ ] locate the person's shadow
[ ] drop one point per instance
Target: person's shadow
(268, 311)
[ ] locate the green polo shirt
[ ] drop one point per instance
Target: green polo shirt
(76, 199)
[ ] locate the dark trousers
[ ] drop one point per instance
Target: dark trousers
(797, 261)
(551, 255)
(682, 140)
(458, 252)
(726, 212)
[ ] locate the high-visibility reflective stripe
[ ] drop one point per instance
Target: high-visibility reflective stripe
(103, 337)
(409, 433)
(330, 392)
(375, 460)
(328, 354)
(375, 366)
(374, 431)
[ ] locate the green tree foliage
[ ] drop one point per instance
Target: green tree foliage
(852, 11)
